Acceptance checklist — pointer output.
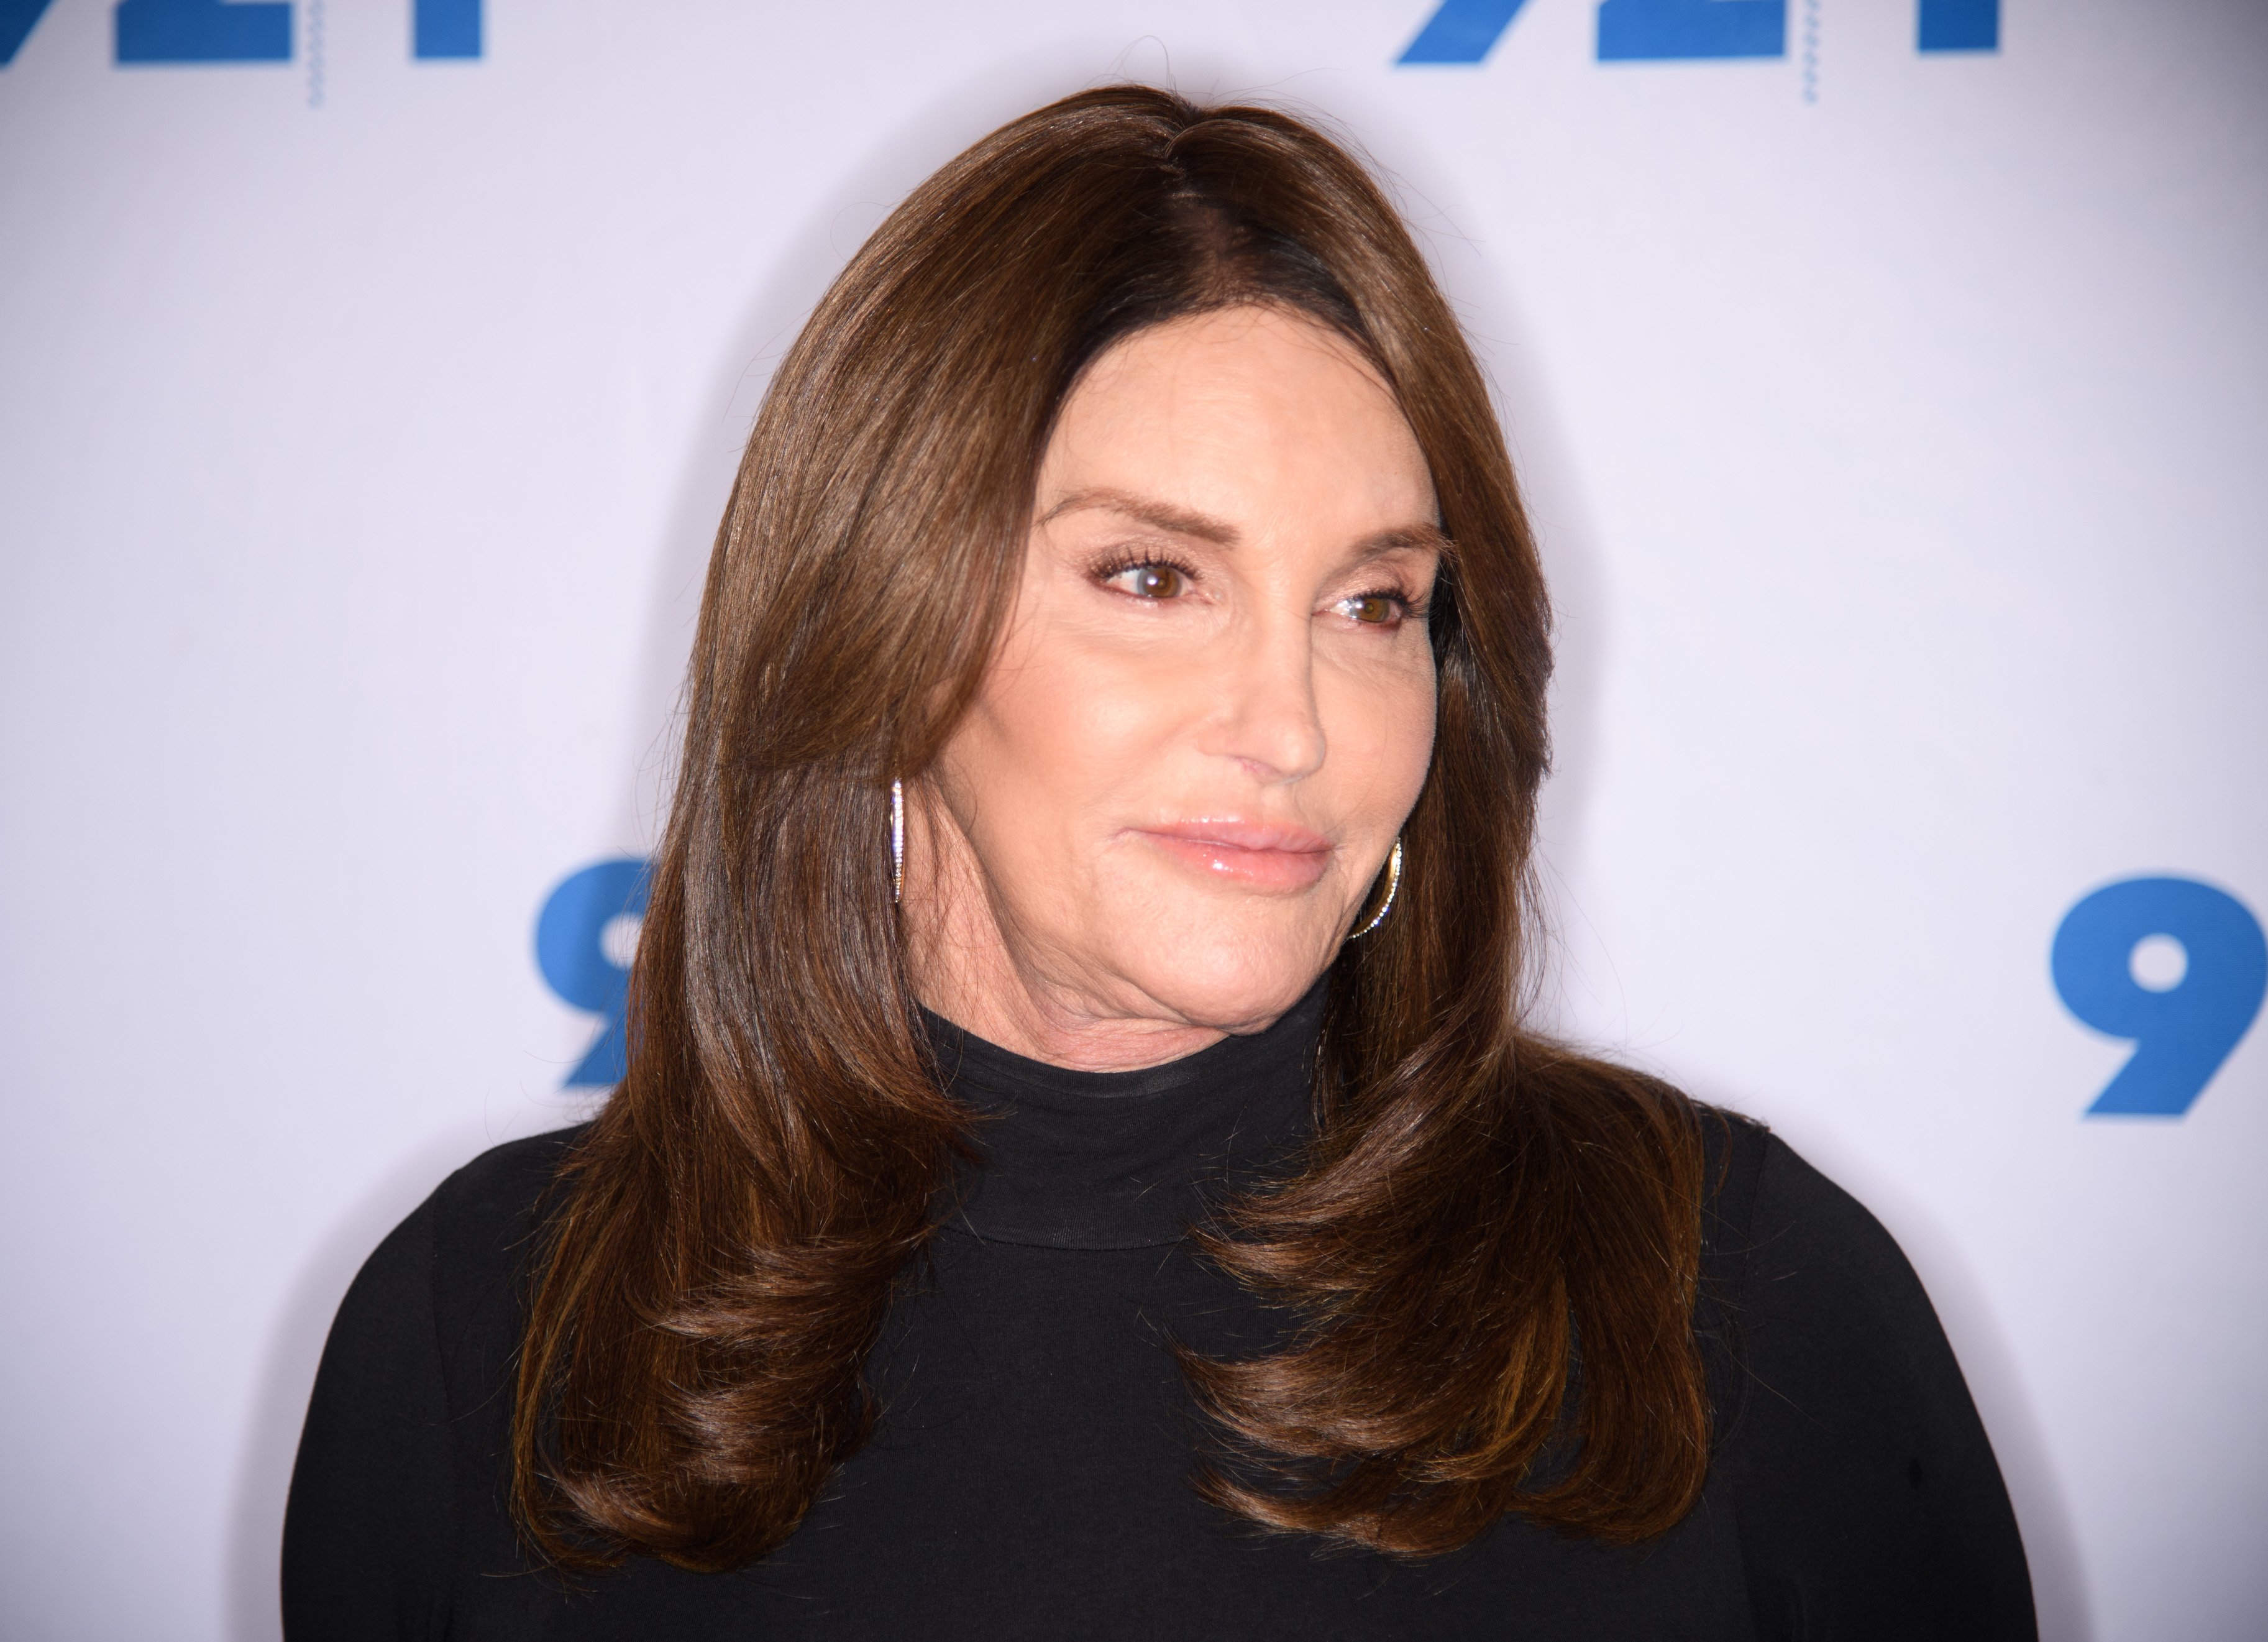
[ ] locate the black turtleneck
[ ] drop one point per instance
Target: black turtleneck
(1123, 1160)
(1028, 1478)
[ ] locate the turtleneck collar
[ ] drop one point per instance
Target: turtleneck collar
(1125, 1159)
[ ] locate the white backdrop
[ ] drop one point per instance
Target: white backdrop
(1895, 420)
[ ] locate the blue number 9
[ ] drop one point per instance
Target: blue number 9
(570, 950)
(2183, 1032)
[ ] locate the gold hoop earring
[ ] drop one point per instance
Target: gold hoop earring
(1392, 883)
(897, 841)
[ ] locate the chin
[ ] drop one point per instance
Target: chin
(1231, 980)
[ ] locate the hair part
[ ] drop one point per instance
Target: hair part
(1491, 1254)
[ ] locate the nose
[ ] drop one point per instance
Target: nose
(1267, 716)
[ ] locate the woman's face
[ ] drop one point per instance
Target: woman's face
(1210, 710)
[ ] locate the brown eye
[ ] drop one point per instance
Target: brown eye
(1373, 609)
(1151, 581)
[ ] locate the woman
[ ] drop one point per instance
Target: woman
(1081, 1169)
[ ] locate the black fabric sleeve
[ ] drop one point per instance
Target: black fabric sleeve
(1870, 1505)
(370, 1527)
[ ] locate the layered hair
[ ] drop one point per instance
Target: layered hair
(1489, 1256)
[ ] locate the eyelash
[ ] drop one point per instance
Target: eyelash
(1110, 569)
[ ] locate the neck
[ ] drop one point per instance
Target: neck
(1125, 1159)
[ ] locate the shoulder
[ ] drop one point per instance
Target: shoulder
(458, 1258)
(1806, 1283)
(484, 1225)
(1790, 1250)
(497, 1198)
(1869, 1499)
(412, 1378)
(1768, 1209)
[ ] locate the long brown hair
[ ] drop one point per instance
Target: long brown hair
(1491, 1254)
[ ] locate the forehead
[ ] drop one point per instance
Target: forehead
(1245, 410)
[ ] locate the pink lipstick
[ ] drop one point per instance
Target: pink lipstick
(1262, 855)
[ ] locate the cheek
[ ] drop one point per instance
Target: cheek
(1059, 733)
(1381, 734)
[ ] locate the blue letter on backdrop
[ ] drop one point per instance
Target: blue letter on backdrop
(445, 28)
(1462, 31)
(1960, 25)
(2183, 1033)
(571, 951)
(17, 18)
(203, 31)
(1632, 31)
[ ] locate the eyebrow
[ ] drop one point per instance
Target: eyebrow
(1181, 521)
(1158, 515)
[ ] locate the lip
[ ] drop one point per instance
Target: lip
(1260, 855)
